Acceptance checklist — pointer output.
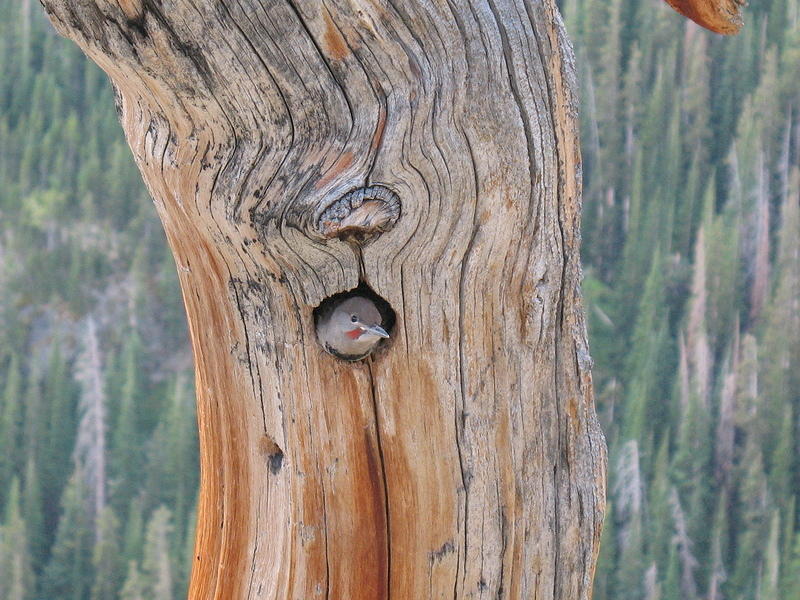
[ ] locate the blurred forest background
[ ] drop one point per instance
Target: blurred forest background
(691, 146)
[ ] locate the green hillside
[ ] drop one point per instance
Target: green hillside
(691, 246)
(92, 336)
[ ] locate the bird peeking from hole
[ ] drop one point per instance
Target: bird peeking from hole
(351, 329)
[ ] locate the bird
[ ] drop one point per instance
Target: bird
(351, 328)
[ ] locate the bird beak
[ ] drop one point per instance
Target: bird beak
(376, 330)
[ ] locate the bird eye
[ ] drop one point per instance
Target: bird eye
(353, 318)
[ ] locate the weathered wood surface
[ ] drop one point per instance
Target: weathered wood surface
(464, 460)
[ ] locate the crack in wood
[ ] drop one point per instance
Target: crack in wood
(387, 515)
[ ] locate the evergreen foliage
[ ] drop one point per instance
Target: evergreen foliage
(97, 426)
(691, 146)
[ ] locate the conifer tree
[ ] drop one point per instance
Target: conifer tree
(672, 582)
(768, 586)
(133, 589)
(157, 565)
(16, 575)
(685, 549)
(180, 444)
(790, 576)
(629, 504)
(691, 467)
(33, 427)
(187, 554)
(719, 550)
(781, 377)
(133, 539)
(659, 523)
(648, 358)
(753, 523)
(725, 437)
(107, 561)
(126, 447)
(68, 574)
(783, 460)
(652, 586)
(56, 462)
(11, 416)
(723, 284)
(33, 513)
(696, 94)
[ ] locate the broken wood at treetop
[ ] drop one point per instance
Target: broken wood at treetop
(719, 16)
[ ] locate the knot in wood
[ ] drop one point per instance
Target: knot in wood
(360, 215)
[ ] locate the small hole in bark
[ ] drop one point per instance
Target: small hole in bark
(274, 454)
(275, 462)
(346, 323)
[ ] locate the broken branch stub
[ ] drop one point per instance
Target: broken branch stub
(719, 16)
(360, 215)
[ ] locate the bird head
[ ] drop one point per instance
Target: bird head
(352, 329)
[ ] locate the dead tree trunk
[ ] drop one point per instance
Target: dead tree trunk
(429, 150)
(464, 459)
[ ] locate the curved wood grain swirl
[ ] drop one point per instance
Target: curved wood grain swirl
(464, 460)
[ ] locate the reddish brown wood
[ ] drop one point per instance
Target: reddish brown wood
(720, 16)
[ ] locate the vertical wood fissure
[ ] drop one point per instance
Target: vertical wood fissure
(386, 496)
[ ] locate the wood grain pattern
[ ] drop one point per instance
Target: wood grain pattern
(464, 459)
